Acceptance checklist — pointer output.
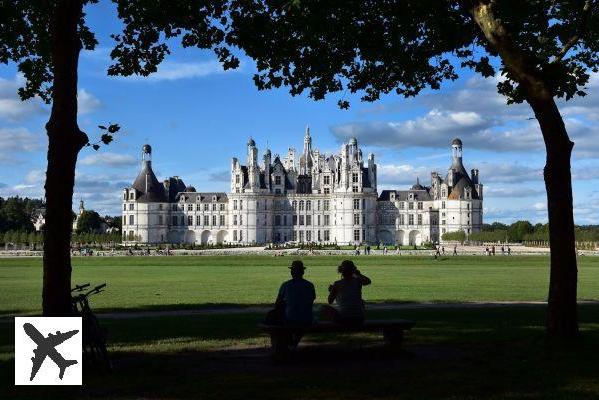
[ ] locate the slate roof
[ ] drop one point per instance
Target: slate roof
(147, 186)
(204, 197)
(403, 195)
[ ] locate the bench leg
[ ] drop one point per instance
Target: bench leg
(393, 337)
(279, 342)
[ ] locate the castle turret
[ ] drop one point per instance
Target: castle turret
(253, 169)
(266, 167)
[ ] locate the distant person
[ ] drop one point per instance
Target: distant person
(294, 302)
(486, 251)
(368, 249)
(509, 251)
(437, 252)
(502, 251)
(443, 250)
(455, 250)
(347, 294)
(493, 249)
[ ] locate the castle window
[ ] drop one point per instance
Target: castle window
(363, 204)
(222, 220)
(354, 189)
(301, 205)
(301, 219)
(402, 219)
(419, 219)
(308, 236)
(410, 206)
(125, 196)
(235, 236)
(189, 220)
(131, 196)
(221, 206)
(319, 239)
(363, 219)
(190, 207)
(326, 235)
(124, 207)
(308, 220)
(420, 205)
(327, 191)
(327, 180)
(401, 205)
(357, 235)
(206, 220)
(198, 220)
(411, 219)
(354, 178)
(240, 235)
(443, 223)
(213, 206)
(325, 205)
(468, 206)
(241, 204)
(442, 204)
(131, 207)
(241, 220)
(198, 207)
(277, 179)
(214, 220)
(124, 220)
(131, 219)
(206, 207)
(308, 205)
(356, 204)
(356, 219)
(237, 178)
(234, 204)
(327, 220)
(234, 219)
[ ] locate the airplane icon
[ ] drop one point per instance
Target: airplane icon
(46, 347)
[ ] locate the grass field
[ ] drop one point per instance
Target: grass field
(196, 281)
(496, 353)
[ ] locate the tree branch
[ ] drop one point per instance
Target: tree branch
(517, 61)
(586, 13)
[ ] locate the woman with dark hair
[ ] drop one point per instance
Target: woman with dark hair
(346, 293)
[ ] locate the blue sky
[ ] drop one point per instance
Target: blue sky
(196, 117)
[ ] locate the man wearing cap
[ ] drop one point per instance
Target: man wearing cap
(296, 297)
(347, 294)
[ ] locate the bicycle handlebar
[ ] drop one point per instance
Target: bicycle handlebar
(79, 288)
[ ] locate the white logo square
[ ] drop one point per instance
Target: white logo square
(48, 351)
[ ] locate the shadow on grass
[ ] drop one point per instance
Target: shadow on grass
(451, 353)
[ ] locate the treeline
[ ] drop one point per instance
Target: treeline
(520, 231)
(17, 213)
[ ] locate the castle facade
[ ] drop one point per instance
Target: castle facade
(313, 198)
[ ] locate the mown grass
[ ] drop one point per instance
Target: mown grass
(495, 353)
(198, 281)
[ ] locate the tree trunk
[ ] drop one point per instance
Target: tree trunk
(562, 318)
(64, 142)
(562, 314)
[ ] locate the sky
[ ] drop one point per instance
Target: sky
(197, 117)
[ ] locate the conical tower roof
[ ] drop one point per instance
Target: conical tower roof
(150, 190)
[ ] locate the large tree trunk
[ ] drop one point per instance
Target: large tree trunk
(64, 142)
(562, 316)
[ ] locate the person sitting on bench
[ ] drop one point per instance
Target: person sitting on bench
(295, 299)
(347, 293)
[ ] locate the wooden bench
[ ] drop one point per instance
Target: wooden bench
(391, 329)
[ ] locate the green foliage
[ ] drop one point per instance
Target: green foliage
(489, 236)
(89, 221)
(16, 213)
(458, 236)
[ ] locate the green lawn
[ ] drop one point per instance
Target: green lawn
(496, 353)
(184, 282)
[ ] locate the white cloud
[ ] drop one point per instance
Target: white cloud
(109, 160)
(12, 108)
(480, 117)
(174, 70)
(17, 140)
(87, 102)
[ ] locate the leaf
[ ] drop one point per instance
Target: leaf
(96, 147)
(102, 127)
(106, 138)
(113, 128)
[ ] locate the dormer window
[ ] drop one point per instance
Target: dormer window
(277, 179)
(213, 198)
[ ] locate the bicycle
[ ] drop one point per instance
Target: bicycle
(94, 337)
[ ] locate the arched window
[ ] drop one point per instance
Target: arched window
(301, 205)
(308, 205)
(294, 205)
